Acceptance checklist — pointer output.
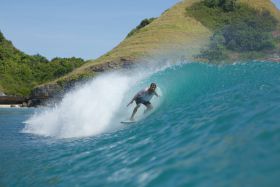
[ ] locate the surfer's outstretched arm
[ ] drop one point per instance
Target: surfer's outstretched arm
(157, 94)
(132, 100)
(137, 95)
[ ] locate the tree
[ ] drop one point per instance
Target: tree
(1, 37)
(212, 3)
(216, 49)
(243, 37)
(226, 5)
(143, 24)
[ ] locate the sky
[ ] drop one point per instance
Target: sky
(66, 28)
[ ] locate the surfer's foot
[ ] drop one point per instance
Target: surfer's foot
(132, 119)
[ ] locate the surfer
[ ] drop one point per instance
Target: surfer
(143, 97)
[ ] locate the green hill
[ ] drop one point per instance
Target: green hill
(175, 33)
(20, 73)
(172, 34)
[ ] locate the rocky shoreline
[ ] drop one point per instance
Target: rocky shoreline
(272, 60)
(18, 101)
(11, 106)
(13, 101)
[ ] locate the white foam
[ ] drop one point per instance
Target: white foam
(85, 111)
(94, 108)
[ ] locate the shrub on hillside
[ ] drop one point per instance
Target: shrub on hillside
(244, 30)
(142, 24)
(216, 49)
(226, 5)
(243, 37)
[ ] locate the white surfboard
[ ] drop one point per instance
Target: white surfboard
(128, 122)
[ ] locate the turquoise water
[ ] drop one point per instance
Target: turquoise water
(216, 126)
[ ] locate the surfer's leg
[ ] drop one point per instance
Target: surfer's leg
(134, 112)
(149, 108)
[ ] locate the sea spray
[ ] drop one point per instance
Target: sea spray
(95, 107)
(84, 111)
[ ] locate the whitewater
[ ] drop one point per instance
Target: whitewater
(214, 125)
(95, 107)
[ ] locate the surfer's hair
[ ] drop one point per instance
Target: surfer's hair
(153, 85)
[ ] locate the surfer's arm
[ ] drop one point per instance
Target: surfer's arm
(157, 94)
(133, 99)
(137, 95)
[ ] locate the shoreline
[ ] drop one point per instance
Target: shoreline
(277, 60)
(5, 106)
(11, 106)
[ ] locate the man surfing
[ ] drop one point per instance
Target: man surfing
(143, 97)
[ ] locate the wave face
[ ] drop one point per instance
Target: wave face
(214, 126)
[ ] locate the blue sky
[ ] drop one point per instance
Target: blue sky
(66, 28)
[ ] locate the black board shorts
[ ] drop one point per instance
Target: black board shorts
(141, 101)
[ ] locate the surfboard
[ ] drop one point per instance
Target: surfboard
(128, 122)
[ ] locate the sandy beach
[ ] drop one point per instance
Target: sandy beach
(9, 106)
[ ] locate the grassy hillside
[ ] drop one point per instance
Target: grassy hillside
(172, 32)
(262, 5)
(20, 73)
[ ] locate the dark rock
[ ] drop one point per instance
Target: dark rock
(29, 103)
(46, 91)
(40, 95)
(11, 100)
(24, 104)
(35, 102)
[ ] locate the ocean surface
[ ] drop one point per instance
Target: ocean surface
(212, 126)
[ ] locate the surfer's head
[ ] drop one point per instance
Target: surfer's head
(153, 87)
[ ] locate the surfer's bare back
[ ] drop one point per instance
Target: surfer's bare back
(143, 97)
